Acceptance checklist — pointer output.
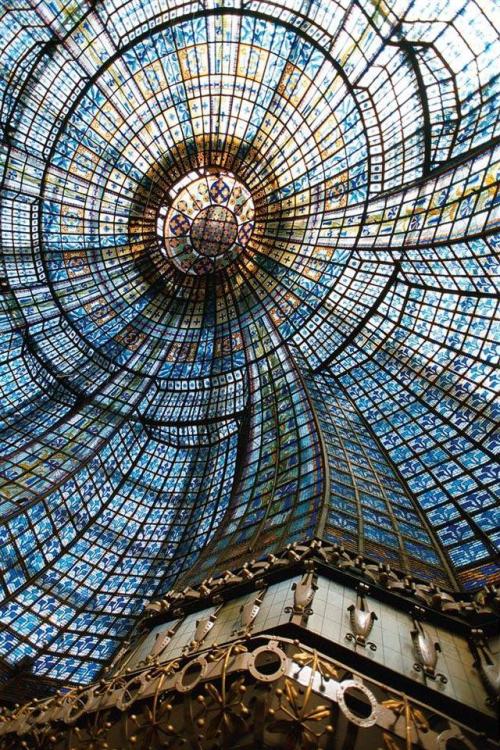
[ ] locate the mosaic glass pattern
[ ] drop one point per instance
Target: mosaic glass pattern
(207, 223)
(249, 294)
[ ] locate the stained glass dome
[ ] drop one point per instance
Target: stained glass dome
(248, 297)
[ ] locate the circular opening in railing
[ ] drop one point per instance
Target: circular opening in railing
(267, 663)
(191, 674)
(206, 221)
(357, 702)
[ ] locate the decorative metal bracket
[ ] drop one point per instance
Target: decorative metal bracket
(486, 665)
(484, 604)
(248, 613)
(203, 628)
(162, 640)
(426, 652)
(303, 594)
(361, 619)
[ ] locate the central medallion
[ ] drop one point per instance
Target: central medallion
(214, 231)
(207, 222)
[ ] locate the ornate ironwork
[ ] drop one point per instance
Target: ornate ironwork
(262, 693)
(361, 619)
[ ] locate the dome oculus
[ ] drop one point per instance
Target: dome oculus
(207, 223)
(214, 231)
